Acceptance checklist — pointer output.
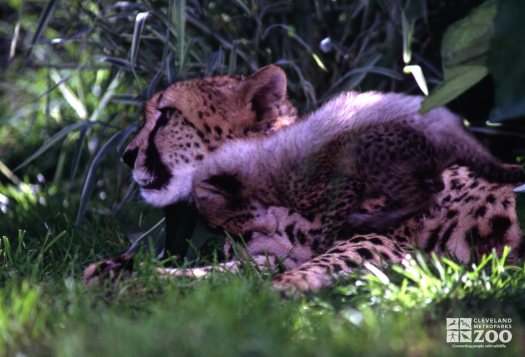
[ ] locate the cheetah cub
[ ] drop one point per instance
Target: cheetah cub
(354, 148)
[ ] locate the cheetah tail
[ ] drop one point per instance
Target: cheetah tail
(471, 153)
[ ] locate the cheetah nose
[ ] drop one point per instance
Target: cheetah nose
(130, 156)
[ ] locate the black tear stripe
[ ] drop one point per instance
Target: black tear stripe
(154, 165)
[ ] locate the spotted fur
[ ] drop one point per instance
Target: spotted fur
(187, 124)
(187, 121)
(470, 218)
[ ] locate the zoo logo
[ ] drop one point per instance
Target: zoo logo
(495, 332)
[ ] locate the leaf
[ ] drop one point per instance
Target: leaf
(52, 141)
(464, 55)
(468, 40)
(461, 79)
(506, 59)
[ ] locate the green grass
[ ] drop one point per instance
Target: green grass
(45, 309)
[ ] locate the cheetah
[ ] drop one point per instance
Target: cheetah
(470, 217)
(191, 122)
(356, 147)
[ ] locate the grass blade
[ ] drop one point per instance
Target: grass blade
(106, 98)
(4, 170)
(244, 7)
(52, 141)
(290, 32)
(140, 19)
(43, 21)
(216, 60)
(360, 73)
(407, 27)
(418, 75)
(89, 182)
(60, 82)
(116, 61)
(126, 99)
(308, 89)
(232, 61)
(77, 153)
(137, 242)
(170, 68)
(520, 188)
(179, 20)
(70, 97)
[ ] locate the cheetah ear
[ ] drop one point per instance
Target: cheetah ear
(264, 90)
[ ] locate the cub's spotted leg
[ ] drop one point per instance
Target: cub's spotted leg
(262, 263)
(342, 258)
(471, 217)
(200, 272)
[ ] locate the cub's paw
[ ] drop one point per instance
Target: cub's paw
(111, 270)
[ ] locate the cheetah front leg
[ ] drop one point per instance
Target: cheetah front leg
(234, 266)
(340, 260)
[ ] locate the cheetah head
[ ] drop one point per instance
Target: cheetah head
(187, 121)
